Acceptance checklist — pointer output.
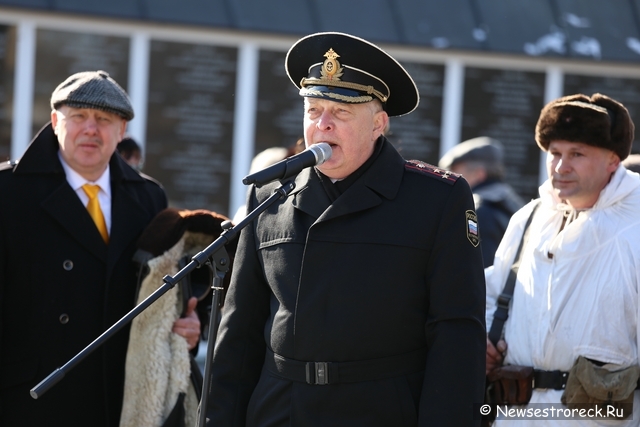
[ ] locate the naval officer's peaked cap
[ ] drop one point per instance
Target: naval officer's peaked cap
(344, 68)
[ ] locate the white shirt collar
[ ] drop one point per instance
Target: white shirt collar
(76, 181)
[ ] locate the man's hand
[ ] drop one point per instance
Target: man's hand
(495, 355)
(189, 325)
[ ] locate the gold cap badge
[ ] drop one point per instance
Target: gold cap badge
(331, 68)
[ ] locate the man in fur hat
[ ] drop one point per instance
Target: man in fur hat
(71, 213)
(574, 312)
(358, 300)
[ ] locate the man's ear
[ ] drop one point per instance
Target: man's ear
(123, 129)
(54, 121)
(380, 122)
(614, 162)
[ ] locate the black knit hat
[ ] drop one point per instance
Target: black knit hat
(93, 89)
(344, 68)
(597, 120)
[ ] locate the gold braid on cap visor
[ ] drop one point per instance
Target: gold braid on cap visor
(314, 81)
(339, 97)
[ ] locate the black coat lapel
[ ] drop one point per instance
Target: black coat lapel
(128, 216)
(309, 196)
(128, 219)
(62, 204)
(66, 208)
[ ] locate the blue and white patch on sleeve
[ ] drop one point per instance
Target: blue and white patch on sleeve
(473, 233)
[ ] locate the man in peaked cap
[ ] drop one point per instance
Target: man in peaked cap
(575, 304)
(66, 271)
(480, 161)
(359, 300)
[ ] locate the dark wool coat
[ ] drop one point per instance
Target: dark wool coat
(61, 287)
(387, 269)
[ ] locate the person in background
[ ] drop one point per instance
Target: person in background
(348, 305)
(573, 316)
(481, 162)
(131, 152)
(73, 211)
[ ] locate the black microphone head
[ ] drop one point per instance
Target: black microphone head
(322, 151)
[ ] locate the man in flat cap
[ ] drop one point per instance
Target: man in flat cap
(358, 300)
(71, 213)
(573, 315)
(480, 161)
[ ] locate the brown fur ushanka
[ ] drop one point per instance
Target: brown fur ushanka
(597, 120)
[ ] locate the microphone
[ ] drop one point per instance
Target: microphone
(315, 155)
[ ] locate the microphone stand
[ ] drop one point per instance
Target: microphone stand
(214, 254)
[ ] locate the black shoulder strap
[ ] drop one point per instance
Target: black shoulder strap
(502, 312)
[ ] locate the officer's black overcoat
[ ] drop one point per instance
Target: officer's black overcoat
(391, 267)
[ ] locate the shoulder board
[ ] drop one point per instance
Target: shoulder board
(8, 165)
(432, 171)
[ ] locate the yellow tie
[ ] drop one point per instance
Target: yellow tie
(94, 210)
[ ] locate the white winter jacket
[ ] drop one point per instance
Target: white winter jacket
(582, 301)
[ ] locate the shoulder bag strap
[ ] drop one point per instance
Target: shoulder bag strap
(502, 312)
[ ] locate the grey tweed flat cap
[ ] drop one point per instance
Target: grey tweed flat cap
(93, 89)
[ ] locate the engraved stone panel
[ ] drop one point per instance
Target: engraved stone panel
(506, 104)
(417, 135)
(279, 108)
(190, 122)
